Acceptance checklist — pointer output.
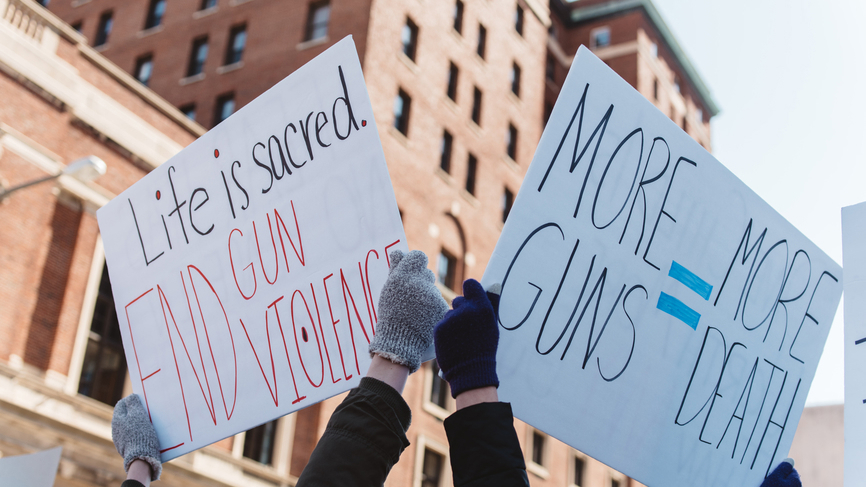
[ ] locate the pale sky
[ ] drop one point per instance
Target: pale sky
(790, 79)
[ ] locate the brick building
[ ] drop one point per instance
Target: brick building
(460, 89)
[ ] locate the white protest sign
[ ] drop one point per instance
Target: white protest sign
(246, 270)
(656, 314)
(854, 259)
(33, 470)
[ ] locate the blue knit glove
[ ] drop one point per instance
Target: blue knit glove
(783, 476)
(466, 339)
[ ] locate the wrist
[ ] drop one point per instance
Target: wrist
(477, 396)
(139, 470)
(393, 374)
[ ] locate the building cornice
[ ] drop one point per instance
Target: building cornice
(579, 15)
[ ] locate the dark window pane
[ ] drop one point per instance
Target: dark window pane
(189, 111)
(144, 69)
(154, 13)
(77, 26)
(550, 68)
(476, 106)
(197, 56)
(471, 169)
(104, 29)
(225, 106)
(482, 40)
(206, 4)
(317, 20)
(507, 203)
(402, 105)
(431, 470)
(446, 269)
(458, 16)
(104, 368)
(409, 37)
(511, 142)
(537, 448)
(515, 79)
(237, 44)
(259, 443)
(438, 387)
(518, 20)
(578, 472)
(445, 157)
(453, 74)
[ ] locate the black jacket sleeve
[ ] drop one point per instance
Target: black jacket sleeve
(131, 483)
(363, 440)
(484, 447)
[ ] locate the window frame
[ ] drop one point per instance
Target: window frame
(451, 269)
(232, 55)
(315, 30)
(435, 409)
(516, 72)
(140, 62)
(446, 152)
(401, 121)
(194, 67)
(453, 80)
(410, 45)
(471, 174)
(519, 18)
(481, 47)
(538, 469)
(511, 142)
(594, 36)
(425, 444)
(154, 15)
(219, 104)
(573, 479)
(476, 105)
(459, 9)
(103, 29)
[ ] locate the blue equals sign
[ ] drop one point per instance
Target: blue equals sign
(677, 308)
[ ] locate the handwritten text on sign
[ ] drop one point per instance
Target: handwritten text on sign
(674, 319)
(246, 269)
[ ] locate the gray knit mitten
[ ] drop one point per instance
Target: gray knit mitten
(410, 305)
(134, 435)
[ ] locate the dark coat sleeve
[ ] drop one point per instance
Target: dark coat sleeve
(484, 447)
(363, 440)
(131, 483)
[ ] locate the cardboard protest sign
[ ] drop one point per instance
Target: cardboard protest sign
(854, 259)
(33, 470)
(246, 270)
(655, 313)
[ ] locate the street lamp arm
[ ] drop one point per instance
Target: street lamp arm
(6, 192)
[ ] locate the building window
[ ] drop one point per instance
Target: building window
(144, 68)
(614, 483)
(197, 57)
(599, 37)
(77, 26)
(511, 142)
(654, 50)
(453, 74)
(431, 470)
(518, 20)
(655, 89)
(482, 41)
(259, 443)
(438, 387)
(154, 13)
(577, 473)
(548, 109)
(550, 68)
(677, 84)
(445, 158)
(476, 106)
(446, 269)
(104, 29)
(206, 4)
(237, 43)
(317, 21)
(471, 172)
(699, 115)
(515, 79)
(409, 37)
(458, 16)
(189, 111)
(507, 203)
(402, 105)
(684, 124)
(225, 106)
(104, 369)
(44, 3)
(538, 448)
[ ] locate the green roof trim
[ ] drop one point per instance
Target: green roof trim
(579, 14)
